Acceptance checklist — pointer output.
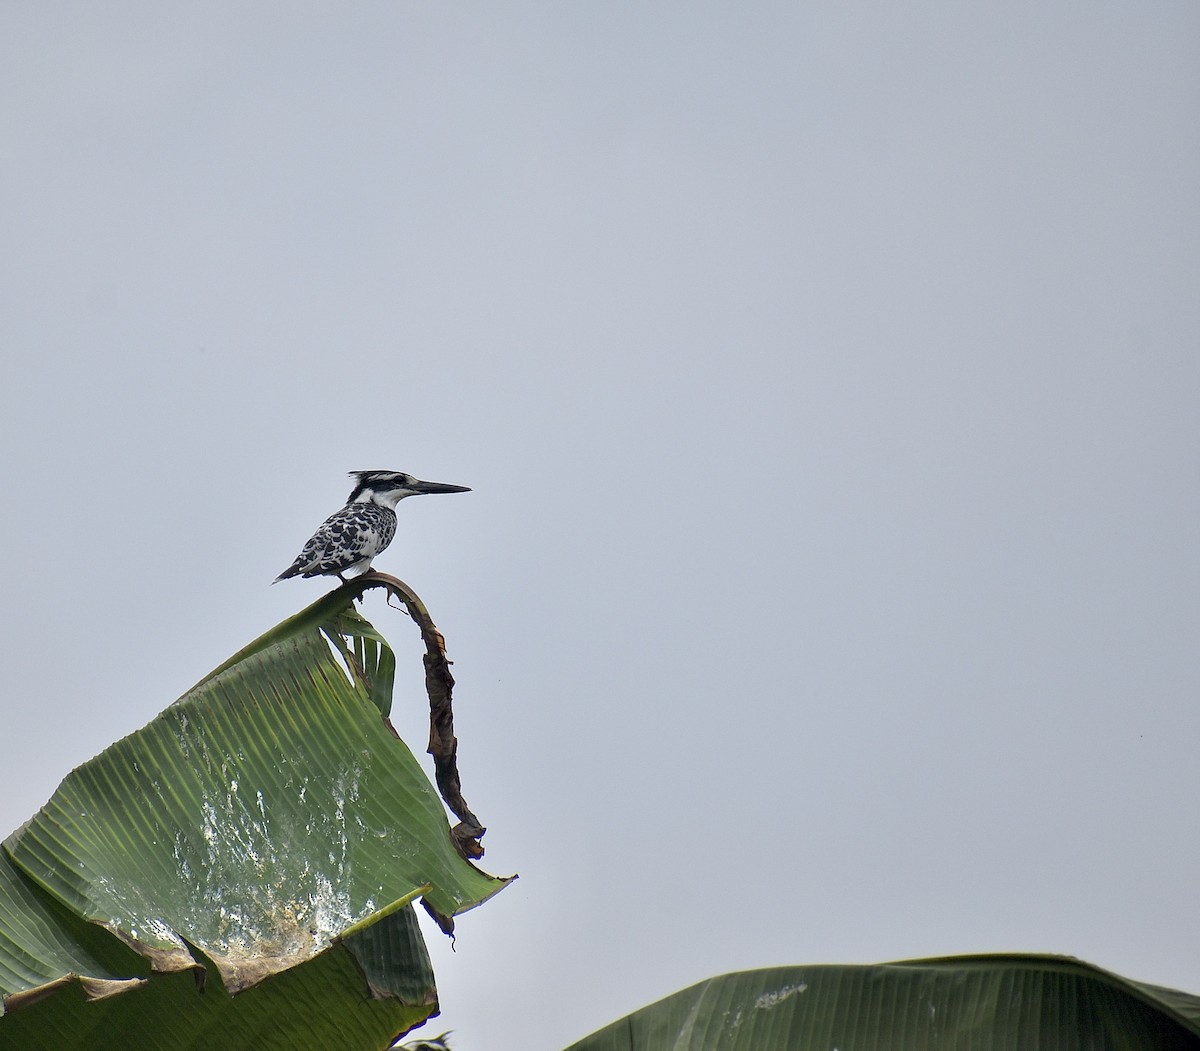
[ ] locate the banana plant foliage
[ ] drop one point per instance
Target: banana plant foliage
(239, 873)
(971, 1003)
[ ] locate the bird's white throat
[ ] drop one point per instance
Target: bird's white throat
(387, 499)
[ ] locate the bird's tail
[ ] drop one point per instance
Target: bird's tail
(291, 571)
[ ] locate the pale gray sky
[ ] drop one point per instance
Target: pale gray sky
(827, 376)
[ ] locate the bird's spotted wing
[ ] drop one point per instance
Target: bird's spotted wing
(356, 532)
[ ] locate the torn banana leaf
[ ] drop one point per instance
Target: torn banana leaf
(239, 872)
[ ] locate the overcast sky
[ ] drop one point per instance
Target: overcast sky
(827, 377)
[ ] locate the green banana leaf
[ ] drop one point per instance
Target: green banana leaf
(239, 872)
(972, 1003)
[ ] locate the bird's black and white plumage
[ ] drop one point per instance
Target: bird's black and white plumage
(349, 539)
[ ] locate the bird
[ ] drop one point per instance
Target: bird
(349, 539)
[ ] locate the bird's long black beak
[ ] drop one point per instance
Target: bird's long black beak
(421, 488)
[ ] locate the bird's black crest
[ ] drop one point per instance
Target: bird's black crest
(372, 480)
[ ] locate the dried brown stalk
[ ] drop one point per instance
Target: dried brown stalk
(439, 685)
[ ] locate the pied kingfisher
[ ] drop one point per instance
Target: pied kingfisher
(351, 537)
